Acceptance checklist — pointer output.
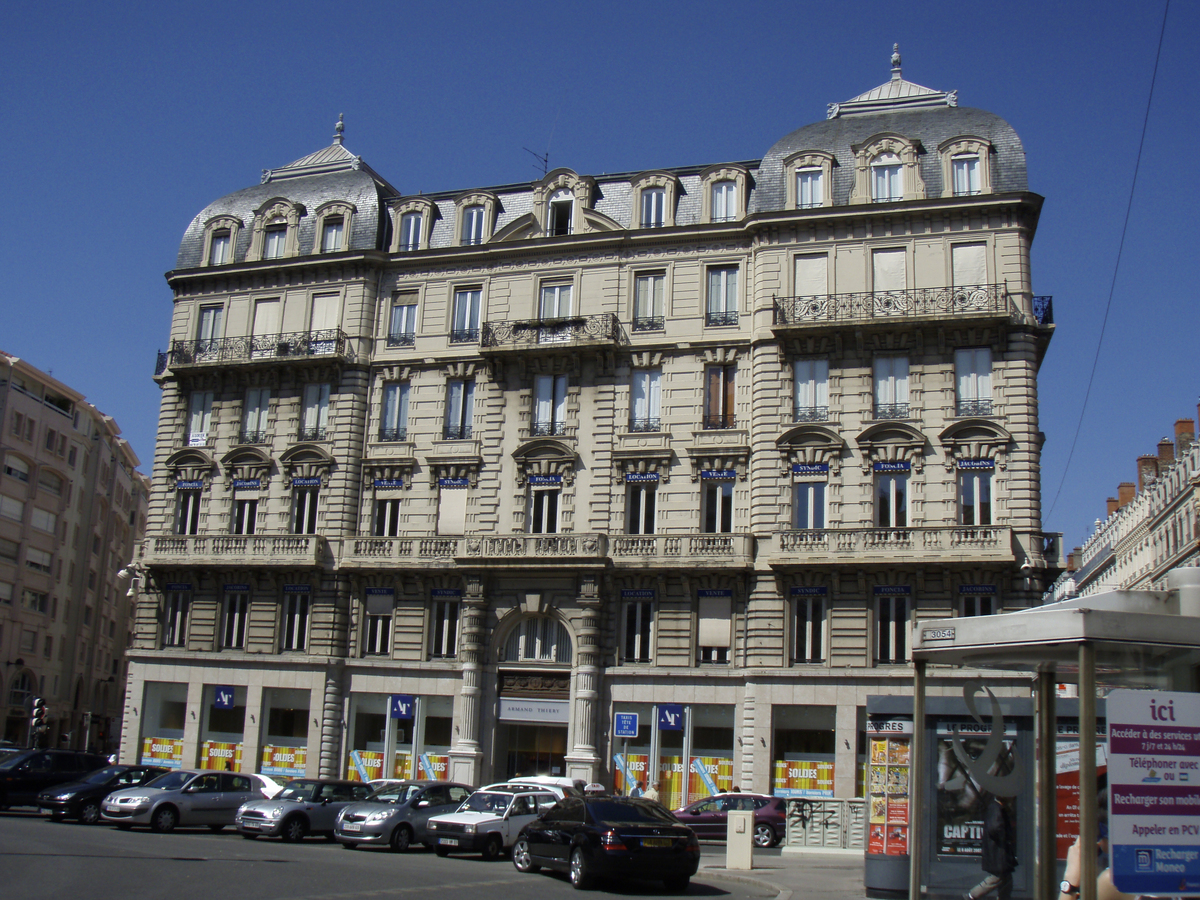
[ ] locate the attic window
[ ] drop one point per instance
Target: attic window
(274, 236)
(218, 253)
(561, 204)
(331, 234)
(965, 167)
(886, 182)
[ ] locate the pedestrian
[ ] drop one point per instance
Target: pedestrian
(1105, 889)
(637, 790)
(652, 794)
(999, 850)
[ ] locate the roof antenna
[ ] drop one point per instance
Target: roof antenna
(338, 129)
(543, 158)
(896, 62)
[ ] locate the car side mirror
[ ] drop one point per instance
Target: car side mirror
(191, 789)
(422, 803)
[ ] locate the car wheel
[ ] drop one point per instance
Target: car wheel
(493, 848)
(522, 858)
(401, 838)
(216, 828)
(294, 829)
(678, 884)
(764, 835)
(164, 820)
(442, 851)
(89, 813)
(581, 871)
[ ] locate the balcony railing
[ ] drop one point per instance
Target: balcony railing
(404, 339)
(891, 411)
(435, 550)
(234, 549)
(571, 331)
(673, 549)
(547, 429)
(984, 542)
(812, 414)
(722, 317)
(1043, 310)
(642, 425)
(394, 433)
(254, 348)
(649, 323)
(973, 408)
(253, 437)
(714, 421)
(314, 433)
(824, 309)
(464, 336)
(456, 432)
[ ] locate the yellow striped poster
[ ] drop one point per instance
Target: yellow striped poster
(160, 751)
(280, 760)
(220, 755)
(803, 778)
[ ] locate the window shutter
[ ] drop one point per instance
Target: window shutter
(714, 626)
(969, 264)
(890, 270)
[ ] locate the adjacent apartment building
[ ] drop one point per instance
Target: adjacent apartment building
(445, 482)
(72, 510)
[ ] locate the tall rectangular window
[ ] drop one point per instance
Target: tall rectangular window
(891, 387)
(555, 305)
(891, 628)
(38, 560)
(443, 631)
(452, 506)
(12, 508)
(199, 417)
(714, 626)
(810, 629)
(641, 501)
(245, 514)
(174, 622)
(274, 239)
(377, 634)
(968, 264)
(719, 385)
(645, 395)
(808, 508)
(812, 275)
(654, 206)
(187, 511)
(293, 625)
(886, 178)
(973, 377)
(331, 235)
(460, 408)
(472, 225)
(387, 517)
(722, 306)
(637, 639)
(889, 271)
(211, 328)
(218, 250)
(549, 405)
(543, 510)
(974, 494)
(304, 510)
(891, 499)
(315, 418)
(393, 424)
(648, 302)
(717, 507)
(973, 604)
(724, 201)
(254, 415)
(558, 218)
(966, 174)
(810, 188)
(465, 327)
(811, 378)
(265, 336)
(402, 321)
(234, 611)
(410, 231)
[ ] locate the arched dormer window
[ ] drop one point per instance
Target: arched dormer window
(885, 170)
(655, 195)
(220, 240)
(412, 223)
(724, 193)
(476, 214)
(276, 230)
(334, 221)
(966, 166)
(808, 181)
(539, 638)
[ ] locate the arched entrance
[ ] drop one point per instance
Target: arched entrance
(534, 699)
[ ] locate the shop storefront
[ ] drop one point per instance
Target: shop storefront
(286, 712)
(398, 736)
(222, 728)
(164, 711)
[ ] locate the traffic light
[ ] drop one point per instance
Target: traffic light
(37, 718)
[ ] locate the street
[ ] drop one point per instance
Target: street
(40, 858)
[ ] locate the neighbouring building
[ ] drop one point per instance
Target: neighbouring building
(446, 481)
(72, 510)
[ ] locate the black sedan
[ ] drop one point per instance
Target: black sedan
(81, 799)
(623, 837)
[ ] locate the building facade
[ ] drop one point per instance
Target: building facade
(444, 482)
(72, 509)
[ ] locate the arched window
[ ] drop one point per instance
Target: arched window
(539, 639)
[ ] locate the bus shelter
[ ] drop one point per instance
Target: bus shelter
(1142, 640)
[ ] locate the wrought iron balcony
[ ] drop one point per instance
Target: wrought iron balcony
(235, 549)
(891, 411)
(812, 414)
(160, 365)
(973, 408)
(567, 332)
(1043, 310)
(456, 432)
(649, 323)
(722, 317)
(696, 550)
(437, 551)
(547, 429)
(985, 543)
(394, 433)
(983, 300)
(641, 425)
(252, 437)
(314, 433)
(258, 348)
(464, 336)
(714, 421)
(404, 339)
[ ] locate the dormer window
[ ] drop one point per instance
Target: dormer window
(412, 220)
(220, 238)
(276, 226)
(410, 231)
(809, 179)
(274, 239)
(966, 166)
(472, 225)
(654, 201)
(219, 248)
(887, 184)
(654, 197)
(334, 221)
(331, 235)
(810, 191)
(724, 201)
(886, 170)
(558, 221)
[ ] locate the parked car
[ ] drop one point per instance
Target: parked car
(395, 815)
(303, 807)
(488, 821)
(709, 817)
(566, 789)
(26, 774)
(270, 786)
(81, 799)
(597, 836)
(182, 797)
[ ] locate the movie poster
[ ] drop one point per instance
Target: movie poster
(960, 802)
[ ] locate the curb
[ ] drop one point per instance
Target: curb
(722, 872)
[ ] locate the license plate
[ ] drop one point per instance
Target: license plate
(656, 842)
(352, 826)
(251, 826)
(448, 842)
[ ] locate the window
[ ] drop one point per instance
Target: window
(543, 509)
(245, 514)
(452, 505)
(38, 560)
(965, 167)
(640, 503)
(394, 420)
(549, 405)
(722, 296)
(274, 240)
(719, 383)
(810, 188)
(968, 265)
(220, 236)
(472, 225)
(219, 248)
(48, 647)
(377, 632)
(323, 322)
(315, 417)
(410, 231)
(49, 483)
(304, 509)
(555, 305)
(331, 234)
(811, 378)
(889, 271)
(28, 641)
(175, 611)
(638, 637)
(264, 342)
(975, 492)
(6, 593)
(17, 468)
(199, 418)
(808, 179)
(254, 416)
(645, 399)
(539, 639)
(21, 690)
(187, 511)
(9, 550)
(891, 499)
(724, 201)
(976, 604)
(234, 611)
(717, 506)
(387, 518)
(443, 630)
(891, 628)
(808, 507)
(562, 202)
(654, 203)
(465, 327)
(43, 520)
(293, 634)
(648, 302)
(402, 323)
(12, 508)
(715, 614)
(891, 387)
(886, 178)
(460, 402)
(810, 629)
(973, 376)
(37, 601)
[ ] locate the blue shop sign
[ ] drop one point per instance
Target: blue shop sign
(977, 464)
(670, 717)
(636, 477)
(900, 466)
(810, 468)
(389, 483)
(247, 484)
(306, 482)
(718, 474)
(816, 590)
(223, 698)
(401, 706)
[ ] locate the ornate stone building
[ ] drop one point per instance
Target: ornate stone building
(444, 482)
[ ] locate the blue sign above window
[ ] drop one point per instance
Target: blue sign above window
(977, 589)
(670, 717)
(297, 589)
(247, 484)
(175, 586)
(638, 594)
(977, 464)
(222, 698)
(718, 474)
(237, 588)
(402, 706)
(306, 482)
(445, 592)
(636, 477)
(545, 479)
(891, 589)
(454, 482)
(899, 466)
(810, 591)
(389, 483)
(810, 469)
(717, 593)
(189, 485)
(381, 592)
(625, 725)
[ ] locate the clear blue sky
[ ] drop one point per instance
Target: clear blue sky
(125, 119)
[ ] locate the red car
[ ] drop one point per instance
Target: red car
(709, 817)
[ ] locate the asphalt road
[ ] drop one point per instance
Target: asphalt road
(40, 858)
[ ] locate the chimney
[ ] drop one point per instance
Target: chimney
(1073, 559)
(1185, 434)
(1147, 469)
(1111, 504)
(1125, 493)
(1166, 454)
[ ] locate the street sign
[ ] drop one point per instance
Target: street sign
(1154, 791)
(670, 717)
(402, 706)
(625, 725)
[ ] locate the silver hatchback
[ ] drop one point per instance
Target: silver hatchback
(304, 806)
(395, 815)
(183, 797)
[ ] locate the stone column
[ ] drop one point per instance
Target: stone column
(583, 762)
(331, 723)
(466, 759)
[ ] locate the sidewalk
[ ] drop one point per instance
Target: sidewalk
(793, 876)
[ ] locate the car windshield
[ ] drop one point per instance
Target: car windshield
(396, 793)
(102, 775)
(629, 812)
(296, 790)
(486, 801)
(13, 761)
(170, 781)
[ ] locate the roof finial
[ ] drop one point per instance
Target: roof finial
(338, 129)
(895, 62)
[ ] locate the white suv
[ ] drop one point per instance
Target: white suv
(488, 821)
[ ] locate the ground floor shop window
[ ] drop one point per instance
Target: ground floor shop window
(804, 746)
(399, 736)
(222, 728)
(631, 756)
(285, 742)
(533, 749)
(164, 709)
(696, 760)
